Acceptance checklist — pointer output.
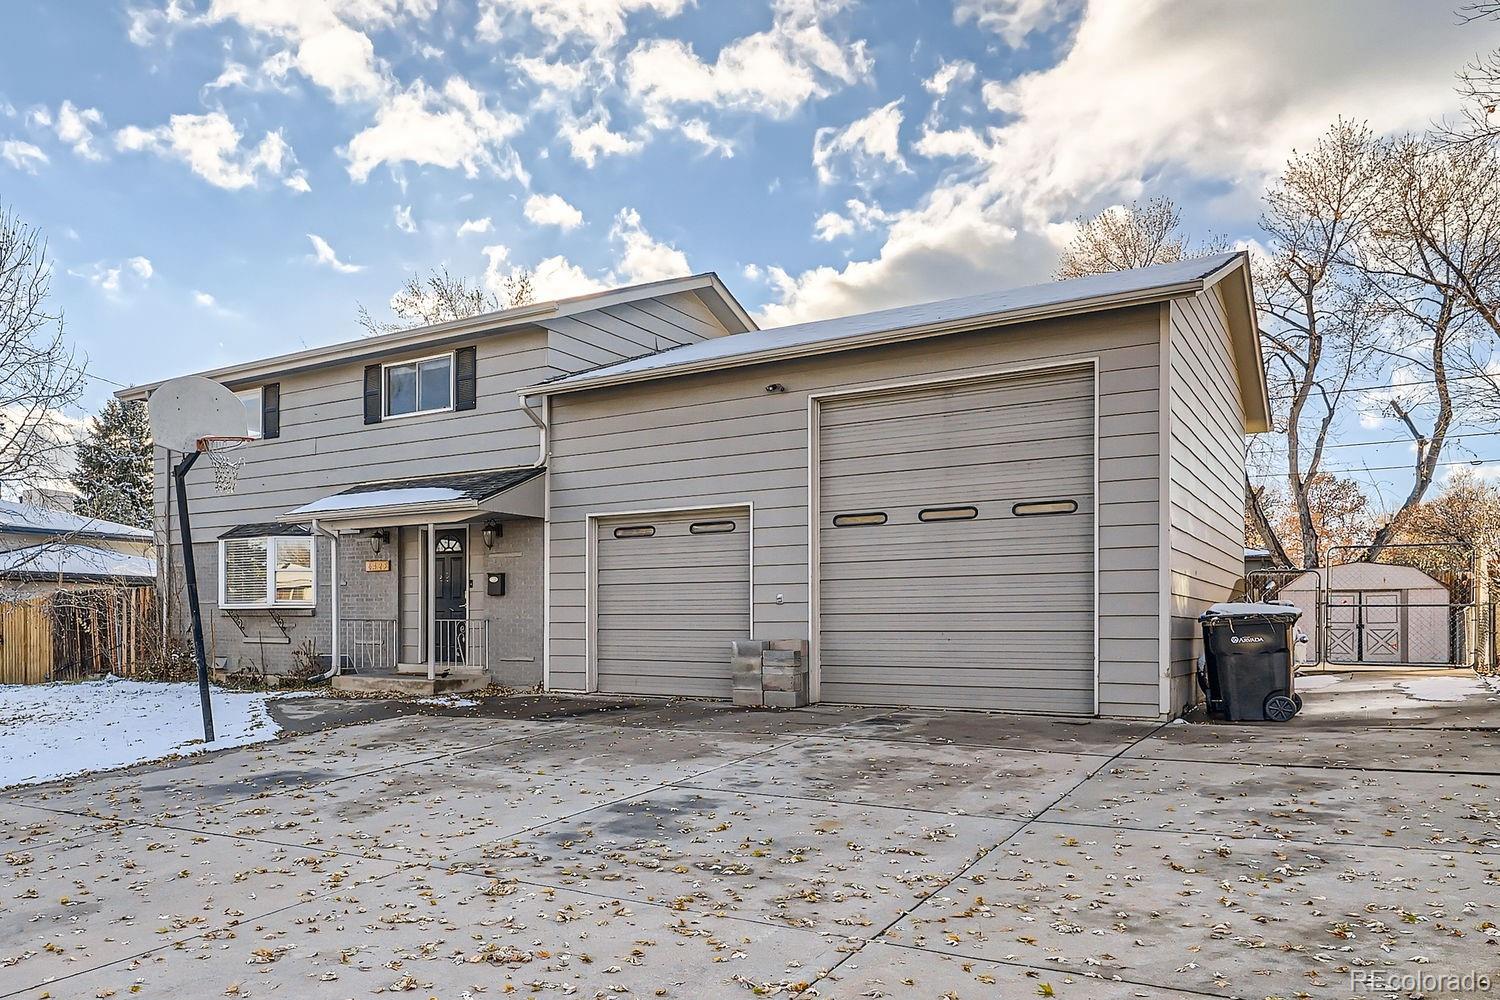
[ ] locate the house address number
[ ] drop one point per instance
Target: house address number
(377, 565)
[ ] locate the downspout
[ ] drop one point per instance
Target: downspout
(334, 666)
(544, 440)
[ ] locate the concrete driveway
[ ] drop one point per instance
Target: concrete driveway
(574, 848)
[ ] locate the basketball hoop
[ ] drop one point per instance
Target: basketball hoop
(221, 450)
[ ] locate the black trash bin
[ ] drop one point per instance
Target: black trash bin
(1249, 663)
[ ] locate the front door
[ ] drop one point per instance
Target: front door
(450, 595)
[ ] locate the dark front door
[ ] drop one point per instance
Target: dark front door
(450, 597)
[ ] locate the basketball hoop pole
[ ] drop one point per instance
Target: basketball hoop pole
(189, 571)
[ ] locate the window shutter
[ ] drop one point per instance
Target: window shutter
(465, 378)
(270, 410)
(372, 394)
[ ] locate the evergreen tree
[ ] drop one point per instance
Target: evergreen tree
(113, 476)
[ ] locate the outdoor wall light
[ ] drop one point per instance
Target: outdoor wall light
(377, 539)
(492, 531)
(776, 387)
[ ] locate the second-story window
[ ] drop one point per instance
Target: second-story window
(419, 386)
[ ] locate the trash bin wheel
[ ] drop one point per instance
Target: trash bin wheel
(1297, 698)
(1279, 706)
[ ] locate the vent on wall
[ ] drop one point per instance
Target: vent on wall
(1034, 508)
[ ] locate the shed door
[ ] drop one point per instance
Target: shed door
(673, 590)
(956, 546)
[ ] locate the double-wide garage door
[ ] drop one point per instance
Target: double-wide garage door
(956, 545)
(673, 590)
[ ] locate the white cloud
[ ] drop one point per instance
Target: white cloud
(468, 226)
(404, 220)
(771, 72)
(205, 300)
(589, 143)
(75, 127)
(147, 22)
(697, 130)
(599, 23)
(552, 210)
(558, 75)
(323, 254)
(1013, 20)
(1173, 116)
(210, 146)
(641, 258)
(948, 73)
(22, 155)
(865, 143)
(645, 258)
(141, 266)
(831, 225)
(326, 41)
(297, 181)
(112, 279)
(453, 128)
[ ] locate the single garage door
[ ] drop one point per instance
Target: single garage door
(672, 591)
(956, 545)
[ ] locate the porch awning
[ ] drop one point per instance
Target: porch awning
(449, 497)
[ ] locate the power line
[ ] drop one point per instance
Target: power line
(1374, 468)
(1491, 378)
(1407, 440)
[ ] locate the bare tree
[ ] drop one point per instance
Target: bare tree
(1120, 238)
(1478, 85)
(1432, 258)
(442, 297)
(40, 374)
(1318, 324)
(1339, 507)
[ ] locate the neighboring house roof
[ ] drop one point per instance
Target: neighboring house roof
(974, 312)
(27, 519)
(1366, 576)
(446, 493)
(75, 562)
(707, 286)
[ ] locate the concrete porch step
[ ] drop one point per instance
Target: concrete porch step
(442, 670)
(392, 686)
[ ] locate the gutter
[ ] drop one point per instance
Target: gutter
(544, 442)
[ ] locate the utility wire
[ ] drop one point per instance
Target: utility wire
(1476, 462)
(1491, 378)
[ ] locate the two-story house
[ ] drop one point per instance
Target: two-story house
(396, 488)
(1017, 500)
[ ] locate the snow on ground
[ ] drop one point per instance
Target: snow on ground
(1450, 690)
(52, 731)
(1314, 682)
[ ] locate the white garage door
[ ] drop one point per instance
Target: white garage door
(956, 545)
(673, 591)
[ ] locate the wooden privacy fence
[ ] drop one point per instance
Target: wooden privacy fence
(78, 633)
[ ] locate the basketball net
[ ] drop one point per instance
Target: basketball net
(223, 455)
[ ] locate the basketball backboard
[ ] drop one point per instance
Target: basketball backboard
(185, 410)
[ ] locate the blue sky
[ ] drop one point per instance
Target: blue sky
(823, 157)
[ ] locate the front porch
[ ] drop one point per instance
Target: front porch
(438, 583)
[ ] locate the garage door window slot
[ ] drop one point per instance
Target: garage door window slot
(1038, 508)
(711, 527)
(636, 531)
(858, 520)
(948, 514)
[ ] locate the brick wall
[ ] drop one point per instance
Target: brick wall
(515, 619)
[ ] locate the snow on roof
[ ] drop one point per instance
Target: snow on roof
(28, 519)
(344, 502)
(451, 488)
(75, 560)
(989, 307)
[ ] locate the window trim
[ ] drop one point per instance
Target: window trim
(385, 400)
(270, 603)
(259, 392)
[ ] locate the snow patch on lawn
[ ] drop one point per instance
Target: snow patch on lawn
(1449, 690)
(50, 731)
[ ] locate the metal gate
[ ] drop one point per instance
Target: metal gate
(1414, 606)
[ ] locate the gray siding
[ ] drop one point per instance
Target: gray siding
(630, 330)
(408, 557)
(720, 438)
(1206, 479)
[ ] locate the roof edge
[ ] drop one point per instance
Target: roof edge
(1074, 307)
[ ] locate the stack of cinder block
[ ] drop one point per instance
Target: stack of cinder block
(770, 673)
